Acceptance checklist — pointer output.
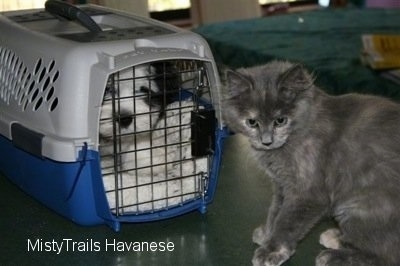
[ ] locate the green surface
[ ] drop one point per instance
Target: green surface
(326, 41)
(220, 237)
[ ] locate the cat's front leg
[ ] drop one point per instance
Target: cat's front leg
(261, 233)
(294, 220)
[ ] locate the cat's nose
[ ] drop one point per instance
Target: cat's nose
(266, 139)
(267, 143)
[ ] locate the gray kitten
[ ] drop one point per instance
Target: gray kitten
(328, 156)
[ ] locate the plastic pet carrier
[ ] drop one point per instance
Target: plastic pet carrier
(106, 117)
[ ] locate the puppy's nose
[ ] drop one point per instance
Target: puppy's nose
(125, 120)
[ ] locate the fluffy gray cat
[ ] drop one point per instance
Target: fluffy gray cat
(328, 156)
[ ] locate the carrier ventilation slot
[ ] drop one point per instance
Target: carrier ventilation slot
(31, 89)
(116, 34)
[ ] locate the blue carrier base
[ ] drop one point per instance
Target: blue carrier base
(75, 190)
(53, 183)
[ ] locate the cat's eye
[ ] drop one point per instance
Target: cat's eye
(252, 123)
(280, 121)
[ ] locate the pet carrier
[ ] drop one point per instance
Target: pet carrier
(107, 117)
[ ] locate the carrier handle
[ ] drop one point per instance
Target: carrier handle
(71, 12)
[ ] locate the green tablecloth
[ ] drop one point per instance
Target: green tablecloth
(326, 41)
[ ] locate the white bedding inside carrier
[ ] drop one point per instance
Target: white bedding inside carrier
(148, 164)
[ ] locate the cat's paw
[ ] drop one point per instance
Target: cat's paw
(330, 238)
(260, 235)
(263, 256)
(323, 258)
(340, 257)
(334, 257)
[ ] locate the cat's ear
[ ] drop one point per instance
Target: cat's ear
(237, 83)
(294, 81)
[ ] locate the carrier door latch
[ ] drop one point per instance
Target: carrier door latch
(203, 132)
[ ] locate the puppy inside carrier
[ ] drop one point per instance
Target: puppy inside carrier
(108, 117)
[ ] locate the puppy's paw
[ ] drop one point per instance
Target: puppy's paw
(263, 256)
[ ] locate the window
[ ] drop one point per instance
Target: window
(267, 2)
(154, 5)
(163, 5)
(6, 5)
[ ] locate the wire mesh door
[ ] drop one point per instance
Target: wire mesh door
(156, 136)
